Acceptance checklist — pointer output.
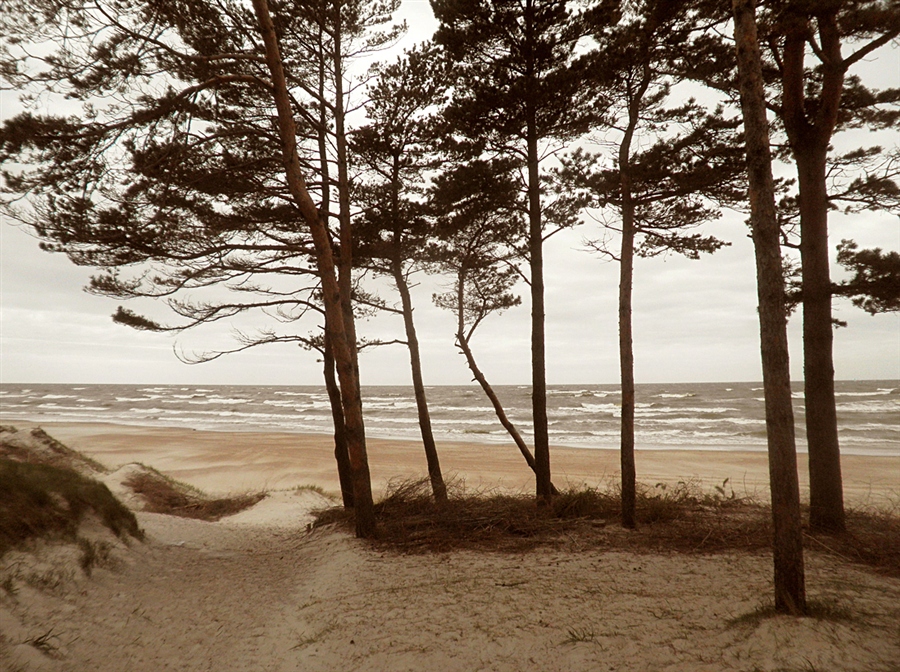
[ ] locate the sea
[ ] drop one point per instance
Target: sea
(705, 416)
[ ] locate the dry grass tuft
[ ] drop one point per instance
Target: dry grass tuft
(679, 519)
(872, 538)
(165, 495)
(38, 447)
(41, 500)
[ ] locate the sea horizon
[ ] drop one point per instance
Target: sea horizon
(669, 416)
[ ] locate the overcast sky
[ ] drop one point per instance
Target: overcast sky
(695, 321)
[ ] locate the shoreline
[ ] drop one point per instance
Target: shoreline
(228, 462)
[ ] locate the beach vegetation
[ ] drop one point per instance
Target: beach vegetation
(583, 635)
(162, 494)
(319, 490)
(94, 553)
(47, 642)
(41, 501)
(820, 609)
(685, 517)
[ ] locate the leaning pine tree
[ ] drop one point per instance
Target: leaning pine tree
(519, 87)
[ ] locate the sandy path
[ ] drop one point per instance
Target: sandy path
(236, 599)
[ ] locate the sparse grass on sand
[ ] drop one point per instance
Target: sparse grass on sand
(680, 519)
(162, 494)
(42, 500)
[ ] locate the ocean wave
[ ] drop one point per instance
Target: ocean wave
(285, 393)
(874, 406)
(57, 407)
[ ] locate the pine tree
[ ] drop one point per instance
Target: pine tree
(660, 192)
(521, 90)
(392, 237)
(790, 587)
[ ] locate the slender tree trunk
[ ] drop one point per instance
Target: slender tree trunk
(463, 342)
(809, 142)
(790, 589)
(345, 259)
(438, 488)
(626, 280)
(343, 346)
(626, 352)
(536, 252)
(341, 454)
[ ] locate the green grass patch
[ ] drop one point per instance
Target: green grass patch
(41, 500)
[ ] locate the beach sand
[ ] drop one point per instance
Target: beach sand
(236, 462)
(257, 591)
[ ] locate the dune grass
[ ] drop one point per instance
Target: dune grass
(163, 494)
(671, 519)
(42, 500)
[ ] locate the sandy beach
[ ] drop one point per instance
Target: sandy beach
(258, 591)
(235, 462)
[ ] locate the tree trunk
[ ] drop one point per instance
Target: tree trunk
(344, 347)
(341, 454)
(345, 258)
(438, 488)
(826, 494)
(809, 143)
(626, 352)
(463, 342)
(790, 590)
(536, 256)
(626, 279)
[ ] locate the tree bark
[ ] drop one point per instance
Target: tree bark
(826, 493)
(438, 487)
(626, 349)
(809, 143)
(345, 258)
(335, 319)
(626, 280)
(536, 252)
(341, 454)
(790, 590)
